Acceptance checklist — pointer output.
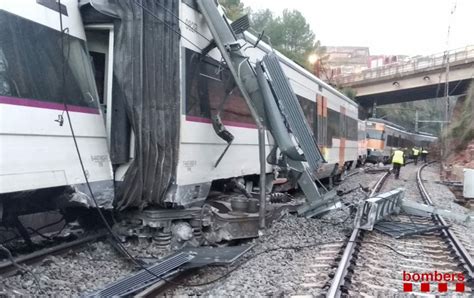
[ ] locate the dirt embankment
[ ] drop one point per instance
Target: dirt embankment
(460, 137)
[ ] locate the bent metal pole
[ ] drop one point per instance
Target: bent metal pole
(261, 154)
(240, 67)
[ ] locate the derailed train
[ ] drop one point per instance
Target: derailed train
(143, 114)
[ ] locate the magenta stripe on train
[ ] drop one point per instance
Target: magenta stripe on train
(26, 102)
(226, 122)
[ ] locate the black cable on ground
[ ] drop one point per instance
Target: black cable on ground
(114, 236)
(21, 268)
(116, 239)
(66, 109)
(39, 229)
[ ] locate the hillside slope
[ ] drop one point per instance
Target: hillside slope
(460, 136)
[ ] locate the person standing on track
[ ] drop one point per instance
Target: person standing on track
(424, 155)
(416, 153)
(398, 160)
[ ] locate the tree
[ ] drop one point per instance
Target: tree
(404, 114)
(262, 20)
(234, 8)
(289, 33)
(349, 92)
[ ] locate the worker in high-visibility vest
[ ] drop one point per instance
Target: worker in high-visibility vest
(398, 160)
(416, 153)
(424, 155)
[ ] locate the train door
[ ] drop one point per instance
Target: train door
(100, 41)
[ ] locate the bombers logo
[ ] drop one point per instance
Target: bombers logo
(435, 278)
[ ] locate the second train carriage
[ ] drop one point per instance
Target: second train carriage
(200, 91)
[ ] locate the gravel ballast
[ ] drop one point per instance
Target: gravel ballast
(277, 272)
(281, 272)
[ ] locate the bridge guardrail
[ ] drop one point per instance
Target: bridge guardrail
(413, 65)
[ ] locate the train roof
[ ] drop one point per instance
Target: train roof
(402, 129)
(427, 134)
(288, 62)
(387, 123)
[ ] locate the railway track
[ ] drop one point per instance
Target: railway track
(373, 264)
(313, 268)
(11, 265)
(317, 277)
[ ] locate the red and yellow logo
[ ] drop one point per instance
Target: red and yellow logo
(433, 281)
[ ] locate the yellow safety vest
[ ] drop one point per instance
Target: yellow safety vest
(398, 157)
(416, 152)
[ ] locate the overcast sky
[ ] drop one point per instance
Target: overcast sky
(411, 27)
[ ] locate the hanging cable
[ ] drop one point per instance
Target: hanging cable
(114, 236)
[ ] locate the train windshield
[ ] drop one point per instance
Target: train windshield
(375, 134)
(33, 63)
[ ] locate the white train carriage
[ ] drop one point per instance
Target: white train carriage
(149, 126)
(332, 116)
(36, 146)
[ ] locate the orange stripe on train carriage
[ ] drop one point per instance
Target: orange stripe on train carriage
(319, 105)
(342, 143)
(375, 144)
(325, 107)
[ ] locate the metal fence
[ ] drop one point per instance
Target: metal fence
(414, 64)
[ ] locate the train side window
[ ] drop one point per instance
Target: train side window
(352, 127)
(390, 141)
(33, 62)
(309, 111)
(205, 91)
(333, 126)
(342, 125)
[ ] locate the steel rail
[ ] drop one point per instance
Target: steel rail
(340, 276)
(7, 266)
(454, 242)
(347, 256)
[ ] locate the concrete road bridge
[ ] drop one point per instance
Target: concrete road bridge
(415, 79)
